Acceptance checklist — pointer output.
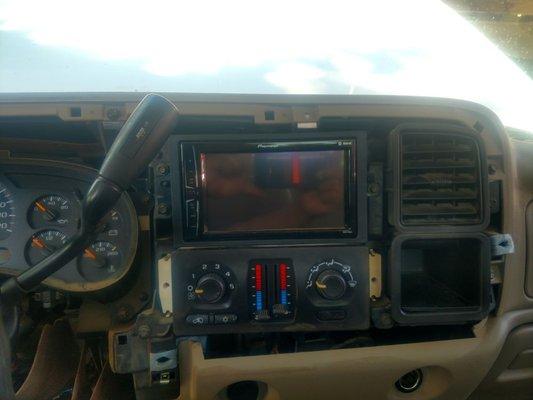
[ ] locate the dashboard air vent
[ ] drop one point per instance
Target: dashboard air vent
(440, 179)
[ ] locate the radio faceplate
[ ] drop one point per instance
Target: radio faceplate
(179, 212)
(312, 187)
(299, 289)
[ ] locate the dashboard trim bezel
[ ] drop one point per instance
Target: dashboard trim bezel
(171, 156)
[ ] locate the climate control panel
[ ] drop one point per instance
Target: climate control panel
(270, 289)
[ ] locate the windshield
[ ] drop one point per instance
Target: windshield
(334, 47)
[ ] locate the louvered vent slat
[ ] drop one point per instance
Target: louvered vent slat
(440, 179)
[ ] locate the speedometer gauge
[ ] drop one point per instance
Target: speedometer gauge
(7, 212)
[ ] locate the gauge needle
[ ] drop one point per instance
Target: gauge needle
(42, 209)
(90, 253)
(36, 242)
(98, 261)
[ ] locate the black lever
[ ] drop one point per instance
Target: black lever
(137, 143)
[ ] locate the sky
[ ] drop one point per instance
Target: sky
(410, 47)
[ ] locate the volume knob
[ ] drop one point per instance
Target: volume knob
(210, 288)
(330, 284)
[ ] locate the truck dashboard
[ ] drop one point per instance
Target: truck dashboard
(276, 247)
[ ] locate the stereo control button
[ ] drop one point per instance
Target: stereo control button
(191, 194)
(192, 207)
(223, 319)
(192, 221)
(197, 319)
(192, 213)
(191, 179)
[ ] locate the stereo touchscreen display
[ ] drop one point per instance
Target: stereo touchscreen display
(274, 191)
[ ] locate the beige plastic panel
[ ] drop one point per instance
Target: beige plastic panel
(452, 370)
(529, 250)
(511, 376)
(518, 193)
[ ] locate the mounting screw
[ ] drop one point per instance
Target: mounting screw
(162, 208)
(123, 313)
(144, 331)
(162, 169)
(373, 188)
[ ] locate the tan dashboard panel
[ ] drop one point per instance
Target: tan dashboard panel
(518, 193)
(364, 373)
(452, 369)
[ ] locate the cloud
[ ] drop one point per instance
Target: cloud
(297, 78)
(413, 47)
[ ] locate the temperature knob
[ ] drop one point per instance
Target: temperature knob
(210, 288)
(331, 284)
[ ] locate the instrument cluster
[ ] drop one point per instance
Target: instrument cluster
(40, 209)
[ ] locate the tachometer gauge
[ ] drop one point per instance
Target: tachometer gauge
(7, 212)
(51, 210)
(99, 261)
(42, 244)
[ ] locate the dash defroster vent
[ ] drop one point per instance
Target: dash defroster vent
(440, 178)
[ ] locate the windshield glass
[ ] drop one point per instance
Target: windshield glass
(335, 47)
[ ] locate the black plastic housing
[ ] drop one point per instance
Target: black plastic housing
(436, 185)
(171, 194)
(440, 278)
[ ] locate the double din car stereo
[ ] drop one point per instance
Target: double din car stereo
(272, 189)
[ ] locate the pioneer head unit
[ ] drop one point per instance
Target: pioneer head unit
(272, 189)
